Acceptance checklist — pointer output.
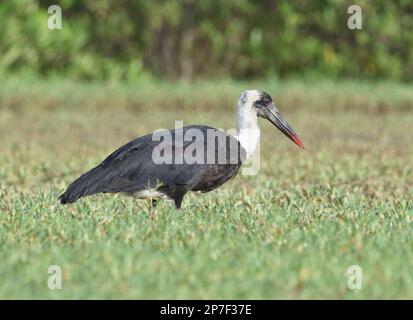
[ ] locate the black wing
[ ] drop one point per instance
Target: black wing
(132, 167)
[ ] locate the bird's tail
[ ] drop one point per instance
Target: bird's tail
(87, 184)
(97, 180)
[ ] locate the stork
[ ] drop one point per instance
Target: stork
(135, 169)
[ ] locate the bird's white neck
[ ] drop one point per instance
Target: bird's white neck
(248, 130)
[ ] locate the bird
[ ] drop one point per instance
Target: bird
(170, 163)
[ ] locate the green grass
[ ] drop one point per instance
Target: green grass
(290, 232)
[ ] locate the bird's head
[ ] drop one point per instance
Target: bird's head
(260, 103)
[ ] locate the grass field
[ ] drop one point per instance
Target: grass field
(290, 232)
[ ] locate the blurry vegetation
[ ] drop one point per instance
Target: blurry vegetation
(209, 38)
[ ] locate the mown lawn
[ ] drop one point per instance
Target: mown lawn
(290, 232)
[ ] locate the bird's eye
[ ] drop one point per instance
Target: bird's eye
(258, 104)
(262, 103)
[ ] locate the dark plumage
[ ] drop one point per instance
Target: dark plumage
(131, 169)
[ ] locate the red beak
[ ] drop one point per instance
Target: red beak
(275, 117)
(297, 140)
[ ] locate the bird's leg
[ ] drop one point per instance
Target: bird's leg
(178, 196)
(152, 207)
(178, 203)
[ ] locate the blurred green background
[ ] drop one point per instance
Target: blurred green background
(129, 40)
(121, 69)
